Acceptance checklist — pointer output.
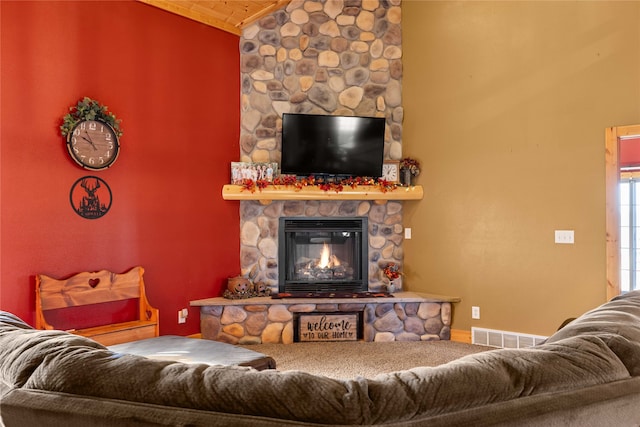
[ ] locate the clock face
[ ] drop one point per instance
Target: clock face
(390, 171)
(93, 144)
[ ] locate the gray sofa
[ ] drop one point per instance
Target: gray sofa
(587, 374)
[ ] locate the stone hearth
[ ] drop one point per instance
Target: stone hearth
(406, 316)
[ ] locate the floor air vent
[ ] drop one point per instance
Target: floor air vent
(504, 339)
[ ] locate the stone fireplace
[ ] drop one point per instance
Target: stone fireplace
(323, 254)
(338, 57)
(260, 229)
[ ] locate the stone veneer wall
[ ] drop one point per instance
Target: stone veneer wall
(273, 323)
(339, 57)
(259, 234)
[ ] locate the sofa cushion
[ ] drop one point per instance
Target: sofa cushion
(232, 389)
(25, 348)
(195, 350)
(617, 322)
(494, 376)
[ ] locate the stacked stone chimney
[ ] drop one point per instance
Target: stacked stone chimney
(338, 57)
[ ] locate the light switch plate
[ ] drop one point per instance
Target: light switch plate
(565, 237)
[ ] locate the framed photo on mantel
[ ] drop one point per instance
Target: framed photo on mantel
(241, 171)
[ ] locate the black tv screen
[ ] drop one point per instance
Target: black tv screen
(338, 146)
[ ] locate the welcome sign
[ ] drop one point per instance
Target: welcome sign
(328, 327)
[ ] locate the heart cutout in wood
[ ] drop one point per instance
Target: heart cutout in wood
(94, 282)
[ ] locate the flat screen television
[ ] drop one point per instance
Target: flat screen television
(335, 146)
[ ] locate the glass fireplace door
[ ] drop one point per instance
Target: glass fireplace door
(323, 254)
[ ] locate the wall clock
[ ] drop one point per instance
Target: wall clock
(391, 171)
(90, 197)
(93, 144)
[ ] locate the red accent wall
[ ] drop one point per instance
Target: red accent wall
(175, 85)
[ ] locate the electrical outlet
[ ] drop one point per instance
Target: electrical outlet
(407, 233)
(182, 315)
(475, 312)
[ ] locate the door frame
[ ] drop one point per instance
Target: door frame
(612, 194)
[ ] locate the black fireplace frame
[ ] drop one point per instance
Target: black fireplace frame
(360, 284)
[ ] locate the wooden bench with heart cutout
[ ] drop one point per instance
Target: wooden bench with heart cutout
(107, 307)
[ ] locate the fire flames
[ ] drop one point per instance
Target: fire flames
(327, 259)
(326, 267)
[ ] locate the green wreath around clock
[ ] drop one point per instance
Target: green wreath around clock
(89, 109)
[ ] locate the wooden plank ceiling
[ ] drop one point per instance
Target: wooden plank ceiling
(227, 15)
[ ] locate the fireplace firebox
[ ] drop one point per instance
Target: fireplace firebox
(323, 254)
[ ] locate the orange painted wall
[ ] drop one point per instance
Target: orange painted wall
(506, 105)
(174, 83)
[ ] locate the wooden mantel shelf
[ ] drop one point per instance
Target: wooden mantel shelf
(281, 192)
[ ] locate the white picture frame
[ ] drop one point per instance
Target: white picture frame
(241, 171)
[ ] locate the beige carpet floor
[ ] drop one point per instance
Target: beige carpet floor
(347, 360)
